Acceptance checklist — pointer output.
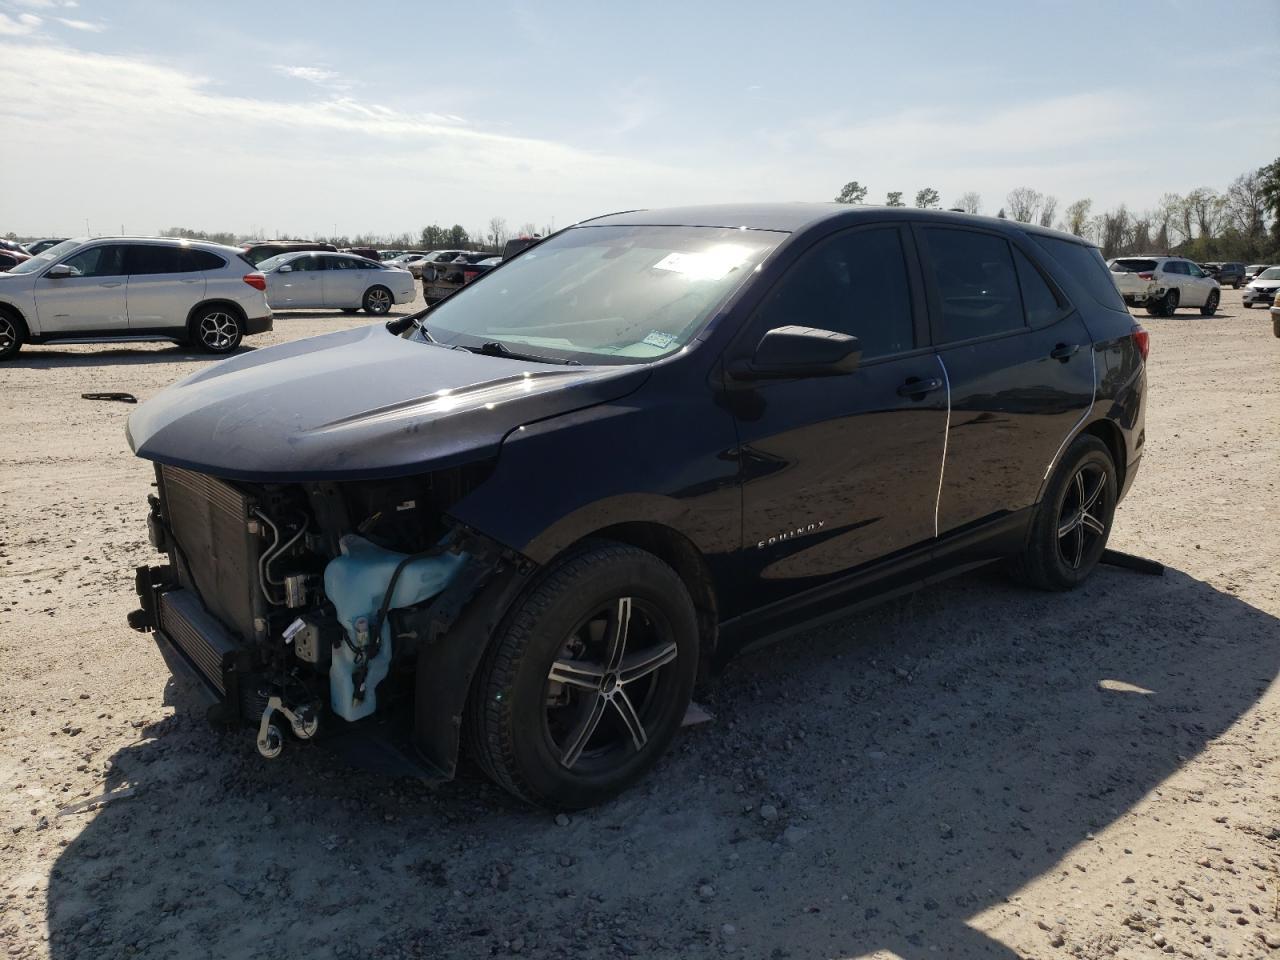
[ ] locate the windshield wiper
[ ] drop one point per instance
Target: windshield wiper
(493, 348)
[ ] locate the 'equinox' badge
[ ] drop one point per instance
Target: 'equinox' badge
(792, 534)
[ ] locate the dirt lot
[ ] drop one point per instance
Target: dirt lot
(978, 771)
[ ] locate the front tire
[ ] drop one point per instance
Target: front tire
(216, 329)
(1210, 305)
(377, 301)
(1072, 523)
(13, 334)
(589, 679)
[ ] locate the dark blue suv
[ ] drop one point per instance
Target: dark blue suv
(527, 520)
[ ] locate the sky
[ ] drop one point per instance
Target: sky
(312, 118)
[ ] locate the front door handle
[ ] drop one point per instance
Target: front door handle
(1064, 351)
(113, 283)
(915, 387)
(191, 280)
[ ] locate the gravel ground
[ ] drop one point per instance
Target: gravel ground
(976, 771)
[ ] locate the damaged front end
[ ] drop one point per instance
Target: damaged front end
(353, 612)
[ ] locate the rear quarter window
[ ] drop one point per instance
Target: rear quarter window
(1086, 267)
(203, 260)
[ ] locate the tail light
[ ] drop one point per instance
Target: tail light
(469, 275)
(256, 280)
(1141, 340)
(1146, 275)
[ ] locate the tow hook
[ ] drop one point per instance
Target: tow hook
(304, 721)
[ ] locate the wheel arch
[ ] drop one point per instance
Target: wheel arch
(1110, 434)
(216, 302)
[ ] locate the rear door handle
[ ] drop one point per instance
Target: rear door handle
(1064, 351)
(915, 387)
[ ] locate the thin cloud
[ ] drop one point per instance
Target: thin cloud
(83, 25)
(317, 75)
(24, 24)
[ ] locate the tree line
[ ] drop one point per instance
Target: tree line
(434, 237)
(1241, 222)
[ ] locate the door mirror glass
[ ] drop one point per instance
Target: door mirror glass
(58, 271)
(793, 351)
(284, 268)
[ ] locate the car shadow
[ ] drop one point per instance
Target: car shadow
(402, 310)
(39, 357)
(924, 761)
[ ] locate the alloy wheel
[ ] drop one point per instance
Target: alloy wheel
(218, 330)
(377, 301)
(607, 682)
(1081, 521)
(8, 333)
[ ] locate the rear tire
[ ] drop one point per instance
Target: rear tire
(1066, 542)
(217, 329)
(377, 301)
(1210, 305)
(13, 334)
(561, 716)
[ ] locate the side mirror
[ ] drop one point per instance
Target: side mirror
(58, 271)
(801, 352)
(284, 268)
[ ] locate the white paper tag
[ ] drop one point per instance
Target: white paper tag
(292, 629)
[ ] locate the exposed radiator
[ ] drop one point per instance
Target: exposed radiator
(203, 639)
(218, 559)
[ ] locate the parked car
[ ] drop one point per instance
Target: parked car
(261, 250)
(1275, 318)
(1262, 290)
(447, 272)
(369, 253)
(40, 246)
(133, 288)
(1231, 272)
(411, 260)
(336, 280)
(11, 258)
(1162, 284)
(13, 246)
(533, 519)
(1251, 272)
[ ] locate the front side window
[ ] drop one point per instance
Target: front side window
(977, 284)
(305, 263)
(103, 261)
(606, 294)
(1195, 271)
(854, 283)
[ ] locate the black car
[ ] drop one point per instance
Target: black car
(1230, 273)
(40, 246)
(531, 518)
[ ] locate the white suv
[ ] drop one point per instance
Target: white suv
(1162, 284)
(128, 288)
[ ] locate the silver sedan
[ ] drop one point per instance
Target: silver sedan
(338, 280)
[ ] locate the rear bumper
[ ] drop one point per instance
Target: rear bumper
(259, 325)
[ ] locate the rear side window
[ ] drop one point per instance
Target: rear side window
(976, 282)
(1087, 268)
(854, 283)
(1043, 306)
(202, 260)
(1176, 266)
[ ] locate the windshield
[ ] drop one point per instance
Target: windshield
(42, 260)
(1271, 273)
(604, 294)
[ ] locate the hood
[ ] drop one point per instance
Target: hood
(357, 404)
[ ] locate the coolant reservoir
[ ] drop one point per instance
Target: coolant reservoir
(355, 583)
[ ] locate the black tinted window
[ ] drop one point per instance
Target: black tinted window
(308, 262)
(854, 283)
(104, 261)
(203, 260)
(347, 263)
(1038, 299)
(1176, 266)
(1086, 267)
(977, 284)
(145, 258)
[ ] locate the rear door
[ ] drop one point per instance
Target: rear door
(1019, 362)
(345, 280)
(92, 299)
(164, 285)
(840, 471)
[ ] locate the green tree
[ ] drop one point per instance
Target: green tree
(852, 192)
(894, 199)
(1077, 215)
(458, 237)
(927, 199)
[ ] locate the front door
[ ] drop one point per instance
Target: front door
(1019, 362)
(1200, 286)
(302, 285)
(163, 286)
(89, 301)
(841, 471)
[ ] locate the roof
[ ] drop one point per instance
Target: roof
(793, 217)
